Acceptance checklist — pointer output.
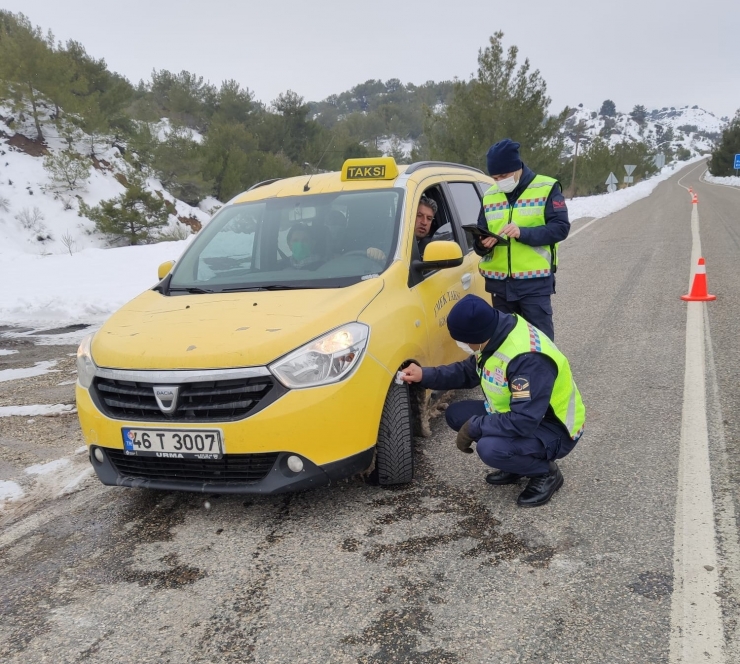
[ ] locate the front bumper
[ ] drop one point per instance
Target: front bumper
(276, 477)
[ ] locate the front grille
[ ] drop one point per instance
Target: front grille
(230, 469)
(219, 400)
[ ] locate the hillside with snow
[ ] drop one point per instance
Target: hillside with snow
(40, 217)
(689, 128)
(692, 129)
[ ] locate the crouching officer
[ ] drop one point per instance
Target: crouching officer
(532, 413)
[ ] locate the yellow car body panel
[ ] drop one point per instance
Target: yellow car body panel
(223, 330)
(323, 424)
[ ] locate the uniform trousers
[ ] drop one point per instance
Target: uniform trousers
(535, 309)
(527, 456)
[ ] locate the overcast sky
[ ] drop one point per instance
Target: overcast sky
(652, 52)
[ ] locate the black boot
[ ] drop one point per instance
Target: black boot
(541, 488)
(502, 477)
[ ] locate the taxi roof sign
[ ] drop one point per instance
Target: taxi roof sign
(371, 168)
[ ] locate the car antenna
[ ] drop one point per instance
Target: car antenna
(305, 186)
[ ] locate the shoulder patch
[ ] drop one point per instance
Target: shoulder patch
(558, 202)
(519, 386)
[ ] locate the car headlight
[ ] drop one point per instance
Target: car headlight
(328, 359)
(85, 365)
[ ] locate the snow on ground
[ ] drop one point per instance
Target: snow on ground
(9, 491)
(39, 369)
(731, 181)
(693, 128)
(606, 204)
(39, 409)
(85, 287)
(3, 351)
(46, 468)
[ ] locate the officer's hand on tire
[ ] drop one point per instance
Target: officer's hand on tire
(464, 439)
(411, 373)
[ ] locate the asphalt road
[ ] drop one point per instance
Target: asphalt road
(447, 569)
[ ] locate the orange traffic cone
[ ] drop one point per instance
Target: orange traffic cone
(691, 191)
(694, 199)
(699, 286)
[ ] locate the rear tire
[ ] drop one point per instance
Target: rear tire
(394, 459)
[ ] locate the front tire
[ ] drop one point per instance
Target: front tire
(394, 460)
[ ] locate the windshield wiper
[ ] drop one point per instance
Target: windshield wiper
(193, 289)
(270, 287)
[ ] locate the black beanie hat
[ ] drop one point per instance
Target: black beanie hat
(472, 320)
(503, 157)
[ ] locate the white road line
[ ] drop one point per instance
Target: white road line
(584, 227)
(696, 618)
(701, 165)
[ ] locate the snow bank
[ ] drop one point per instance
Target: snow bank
(85, 287)
(606, 204)
(730, 181)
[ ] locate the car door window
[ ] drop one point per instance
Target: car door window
(443, 227)
(468, 204)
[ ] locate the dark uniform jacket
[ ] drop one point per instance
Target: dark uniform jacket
(556, 229)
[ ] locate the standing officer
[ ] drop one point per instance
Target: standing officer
(529, 209)
(532, 413)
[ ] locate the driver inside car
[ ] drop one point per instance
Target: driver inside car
(423, 228)
(304, 252)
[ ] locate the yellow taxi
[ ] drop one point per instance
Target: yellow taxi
(265, 358)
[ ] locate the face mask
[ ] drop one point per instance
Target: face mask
(300, 250)
(507, 185)
(467, 348)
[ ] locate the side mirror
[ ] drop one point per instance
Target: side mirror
(439, 255)
(164, 269)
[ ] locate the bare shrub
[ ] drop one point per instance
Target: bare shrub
(31, 220)
(4, 204)
(174, 234)
(68, 242)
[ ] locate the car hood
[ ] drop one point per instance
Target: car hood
(223, 330)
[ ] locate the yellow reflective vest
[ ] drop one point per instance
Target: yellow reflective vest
(517, 260)
(565, 399)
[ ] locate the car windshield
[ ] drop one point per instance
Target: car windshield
(316, 241)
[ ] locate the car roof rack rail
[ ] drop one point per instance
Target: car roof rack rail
(422, 164)
(263, 183)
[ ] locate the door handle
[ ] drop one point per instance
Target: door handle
(466, 279)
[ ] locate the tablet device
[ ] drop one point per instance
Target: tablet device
(477, 231)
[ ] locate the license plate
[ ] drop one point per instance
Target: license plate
(173, 443)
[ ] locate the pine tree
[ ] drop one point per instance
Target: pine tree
(134, 216)
(177, 163)
(639, 114)
(25, 57)
(500, 101)
(723, 156)
(68, 170)
(608, 109)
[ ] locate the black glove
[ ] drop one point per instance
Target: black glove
(464, 439)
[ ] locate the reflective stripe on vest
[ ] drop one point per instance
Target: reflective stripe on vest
(565, 399)
(528, 211)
